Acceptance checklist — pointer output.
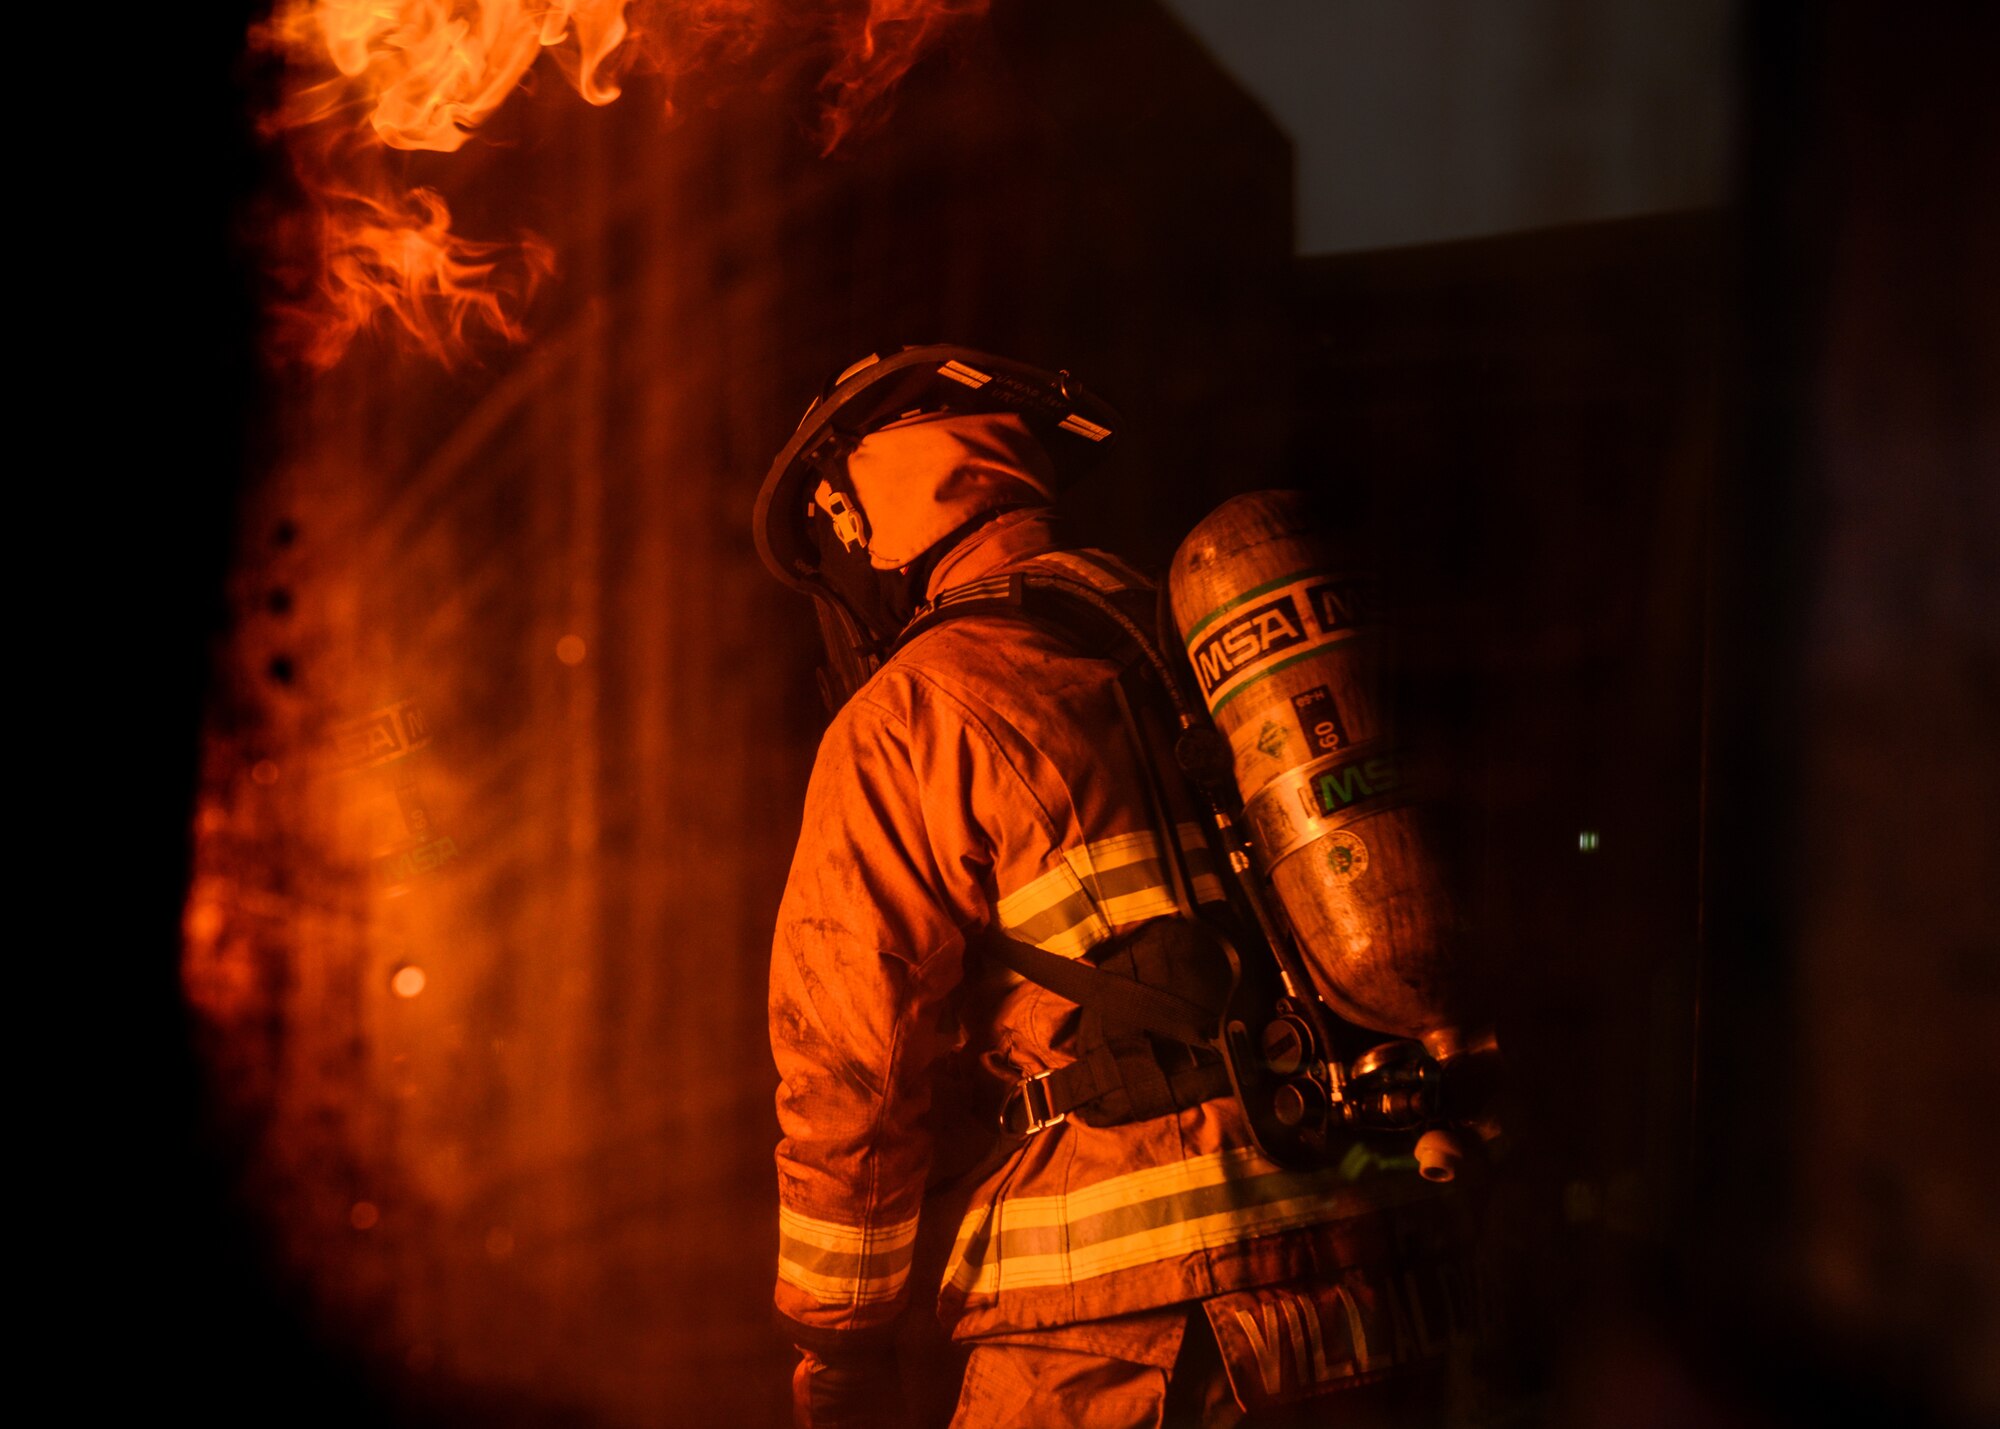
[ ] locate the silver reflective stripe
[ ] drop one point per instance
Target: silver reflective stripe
(1142, 1217)
(840, 1264)
(1102, 886)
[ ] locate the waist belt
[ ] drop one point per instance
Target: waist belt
(1147, 1050)
(1108, 1088)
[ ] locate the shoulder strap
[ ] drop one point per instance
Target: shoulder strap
(1119, 1075)
(1049, 589)
(1120, 998)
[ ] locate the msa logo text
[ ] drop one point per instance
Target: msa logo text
(1342, 604)
(1345, 785)
(1246, 640)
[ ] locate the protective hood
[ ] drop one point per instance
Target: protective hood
(919, 481)
(1073, 424)
(899, 452)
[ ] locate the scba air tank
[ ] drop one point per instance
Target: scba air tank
(1285, 638)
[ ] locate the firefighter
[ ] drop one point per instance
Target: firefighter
(975, 787)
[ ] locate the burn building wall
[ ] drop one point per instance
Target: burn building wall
(511, 729)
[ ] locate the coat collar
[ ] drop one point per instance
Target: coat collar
(1001, 542)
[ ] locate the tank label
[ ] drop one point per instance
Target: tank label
(1341, 787)
(1237, 646)
(1315, 800)
(1341, 604)
(1345, 856)
(1319, 720)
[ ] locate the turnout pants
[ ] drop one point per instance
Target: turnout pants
(1022, 1384)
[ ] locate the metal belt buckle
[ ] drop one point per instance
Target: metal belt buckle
(1032, 1096)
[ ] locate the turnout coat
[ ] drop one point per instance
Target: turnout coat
(982, 780)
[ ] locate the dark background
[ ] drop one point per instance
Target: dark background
(1703, 505)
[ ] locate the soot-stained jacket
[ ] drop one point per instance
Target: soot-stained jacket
(982, 780)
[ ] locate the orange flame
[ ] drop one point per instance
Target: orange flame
(373, 75)
(402, 265)
(430, 71)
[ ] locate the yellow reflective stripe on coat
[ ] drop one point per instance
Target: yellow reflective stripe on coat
(1023, 1242)
(1102, 886)
(844, 1265)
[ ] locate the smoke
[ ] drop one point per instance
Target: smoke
(889, 37)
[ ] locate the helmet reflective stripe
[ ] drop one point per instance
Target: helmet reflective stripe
(1084, 427)
(970, 376)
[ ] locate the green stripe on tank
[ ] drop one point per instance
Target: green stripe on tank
(1270, 670)
(1250, 594)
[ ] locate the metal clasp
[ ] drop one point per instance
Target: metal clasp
(1031, 1095)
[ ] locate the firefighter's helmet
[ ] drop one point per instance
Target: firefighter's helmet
(1072, 423)
(865, 570)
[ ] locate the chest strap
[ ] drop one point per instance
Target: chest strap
(1120, 999)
